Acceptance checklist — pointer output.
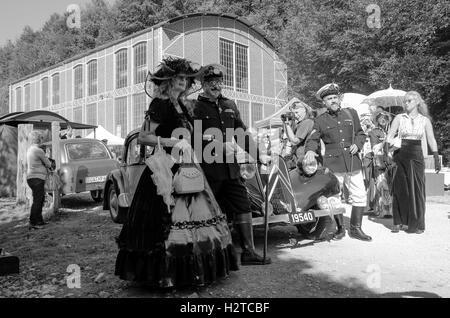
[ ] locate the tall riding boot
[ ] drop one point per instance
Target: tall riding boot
(340, 233)
(355, 224)
(243, 223)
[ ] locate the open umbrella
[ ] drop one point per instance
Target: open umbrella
(355, 101)
(392, 100)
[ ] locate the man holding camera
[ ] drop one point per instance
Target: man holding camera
(298, 124)
(340, 130)
(224, 177)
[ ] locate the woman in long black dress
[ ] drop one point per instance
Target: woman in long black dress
(172, 240)
(409, 181)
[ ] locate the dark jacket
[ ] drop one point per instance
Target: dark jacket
(222, 114)
(338, 131)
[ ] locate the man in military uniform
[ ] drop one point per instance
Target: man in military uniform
(223, 175)
(340, 130)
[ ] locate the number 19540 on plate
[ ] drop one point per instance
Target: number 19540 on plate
(302, 217)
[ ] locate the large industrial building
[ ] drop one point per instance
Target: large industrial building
(105, 86)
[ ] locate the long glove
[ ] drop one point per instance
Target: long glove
(437, 163)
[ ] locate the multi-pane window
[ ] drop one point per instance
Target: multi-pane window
(241, 68)
(257, 112)
(91, 116)
(140, 63)
(244, 110)
(234, 57)
(44, 95)
(78, 118)
(78, 81)
(92, 77)
(19, 99)
(121, 68)
(139, 108)
(27, 101)
(120, 109)
(226, 59)
(55, 89)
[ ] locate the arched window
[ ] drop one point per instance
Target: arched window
(44, 85)
(92, 75)
(121, 69)
(55, 89)
(140, 62)
(78, 81)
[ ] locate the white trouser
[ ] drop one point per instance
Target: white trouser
(354, 182)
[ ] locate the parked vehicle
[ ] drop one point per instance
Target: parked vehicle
(300, 200)
(85, 164)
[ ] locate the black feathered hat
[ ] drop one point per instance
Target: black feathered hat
(171, 67)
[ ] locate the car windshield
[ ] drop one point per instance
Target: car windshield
(87, 151)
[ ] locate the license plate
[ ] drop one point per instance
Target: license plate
(95, 179)
(302, 217)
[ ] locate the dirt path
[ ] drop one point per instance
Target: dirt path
(393, 265)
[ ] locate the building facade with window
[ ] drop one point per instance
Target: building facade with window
(105, 86)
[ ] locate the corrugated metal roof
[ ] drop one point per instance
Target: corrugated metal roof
(161, 24)
(41, 116)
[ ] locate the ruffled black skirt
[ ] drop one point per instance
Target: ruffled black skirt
(190, 246)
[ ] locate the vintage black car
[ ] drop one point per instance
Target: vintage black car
(300, 199)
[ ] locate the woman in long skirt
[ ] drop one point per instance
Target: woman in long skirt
(409, 181)
(169, 239)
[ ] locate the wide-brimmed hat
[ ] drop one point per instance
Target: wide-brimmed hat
(171, 67)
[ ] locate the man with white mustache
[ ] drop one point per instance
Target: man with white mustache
(340, 130)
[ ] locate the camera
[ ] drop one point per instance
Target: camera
(287, 116)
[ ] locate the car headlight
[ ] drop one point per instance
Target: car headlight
(323, 204)
(248, 170)
(334, 203)
(330, 203)
(309, 168)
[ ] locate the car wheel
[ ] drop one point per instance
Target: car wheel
(97, 195)
(113, 203)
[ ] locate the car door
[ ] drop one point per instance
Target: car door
(134, 165)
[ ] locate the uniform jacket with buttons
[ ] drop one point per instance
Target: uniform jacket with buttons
(221, 114)
(338, 131)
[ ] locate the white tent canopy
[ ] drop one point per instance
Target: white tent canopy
(274, 120)
(101, 134)
(355, 101)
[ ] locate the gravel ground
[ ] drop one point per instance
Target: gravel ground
(393, 265)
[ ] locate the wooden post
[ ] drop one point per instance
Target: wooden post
(24, 194)
(56, 155)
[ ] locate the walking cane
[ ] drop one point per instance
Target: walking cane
(266, 208)
(266, 221)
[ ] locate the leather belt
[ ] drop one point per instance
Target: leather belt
(340, 145)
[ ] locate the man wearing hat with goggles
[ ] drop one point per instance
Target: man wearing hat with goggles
(223, 175)
(340, 130)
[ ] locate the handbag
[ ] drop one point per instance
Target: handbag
(188, 179)
(52, 182)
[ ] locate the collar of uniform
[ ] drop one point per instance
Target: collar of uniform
(206, 99)
(334, 113)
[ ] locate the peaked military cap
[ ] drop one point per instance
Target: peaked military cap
(329, 89)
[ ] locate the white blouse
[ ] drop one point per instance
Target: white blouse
(410, 128)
